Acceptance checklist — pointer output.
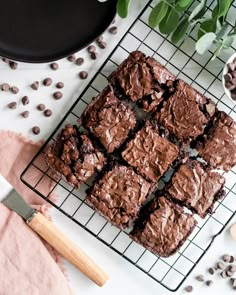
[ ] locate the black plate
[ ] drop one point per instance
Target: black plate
(46, 30)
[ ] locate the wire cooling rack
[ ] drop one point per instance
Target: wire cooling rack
(201, 73)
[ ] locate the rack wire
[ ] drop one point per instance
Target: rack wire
(202, 74)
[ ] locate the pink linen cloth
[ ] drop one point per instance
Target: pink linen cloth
(28, 265)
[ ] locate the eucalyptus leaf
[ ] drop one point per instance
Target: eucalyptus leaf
(157, 14)
(198, 11)
(224, 6)
(223, 31)
(184, 3)
(228, 41)
(217, 51)
(182, 9)
(180, 31)
(169, 22)
(122, 8)
(205, 42)
(206, 26)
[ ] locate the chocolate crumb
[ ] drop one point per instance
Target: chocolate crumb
(200, 278)
(54, 66)
(113, 30)
(12, 105)
(41, 107)
(25, 100)
(79, 61)
(25, 114)
(71, 58)
(5, 87)
(36, 130)
(47, 82)
(188, 289)
(60, 85)
(47, 113)
(35, 85)
(209, 283)
(83, 75)
(57, 95)
(14, 89)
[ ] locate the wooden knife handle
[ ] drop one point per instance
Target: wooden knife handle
(68, 249)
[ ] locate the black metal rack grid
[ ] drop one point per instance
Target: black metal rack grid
(205, 76)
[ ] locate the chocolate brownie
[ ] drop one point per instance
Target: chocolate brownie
(162, 227)
(218, 147)
(73, 156)
(186, 113)
(141, 78)
(196, 187)
(108, 119)
(118, 195)
(150, 152)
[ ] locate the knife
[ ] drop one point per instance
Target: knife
(50, 233)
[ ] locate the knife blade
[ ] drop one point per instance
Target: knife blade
(49, 232)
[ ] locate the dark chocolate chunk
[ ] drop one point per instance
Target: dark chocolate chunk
(79, 61)
(113, 30)
(12, 105)
(83, 75)
(47, 113)
(41, 107)
(57, 95)
(60, 85)
(25, 114)
(5, 87)
(47, 82)
(35, 85)
(71, 58)
(91, 48)
(54, 66)
(36, 130)
(209, 283)
(200, 278)
(14, 89)
(211, 270)
(25, 100)
(13, 65)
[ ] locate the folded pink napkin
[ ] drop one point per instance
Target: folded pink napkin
(28, 264)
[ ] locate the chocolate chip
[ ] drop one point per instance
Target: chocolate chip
(99, 39)
(229, 85)
(223, 274)
(228, 77)
(6, 60)
(226, 258)
(25, 114)
(233, 81)
(60, 85)
(188, 289)
(231, 259)
(79, 61)
(5, 87)
(47, 82)
(209, 283)
(83, 75)
(211, 270)
(47, 113)
(13, 65)
(35, 85)
(231, 66)
(200, 278)
(12, 105)
(113, 30)
(25, 100)
(91, 48)
(102, 45)
(36, 130)
(233, 281)
(57, 95)
(71, 58)
(233, 96)
(14, 89)
(233, 74)
(229, 273)
(232, 268)
(221, 265)
(41, 107)
(93, 55)
(54, 66)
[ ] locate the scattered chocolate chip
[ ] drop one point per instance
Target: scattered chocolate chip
(233, 81)
(226, 258)
(233, 74)
(83, 75)
(228, 77)
(54, 66)
(25, 114)
(188, 289)
(12, 105)
(91, 48)
(200, 278)
(229, 85)
(14, 89)
(25, 100)
(93, 55)
(231, 66)
(57, 95)
(36, 130)
(113, 30)
(41, 107)
(6, 60)
(209, 283)
(71, 58)
(232, 268)
(211, 270)
(13, 65)
(102, 45)
(60, 85)
(47, 113)
(99, 39)
(223, 274)
(229, 273)
(221, 265)
(47, 82)
(35, 85)
(79, 61)
(5, 87)
(231, 260)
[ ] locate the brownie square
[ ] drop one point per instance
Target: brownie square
(218, 146)
(108, 119)
(162, 227)
(73, 156)
(186, 113)
(118, 195)
(150, 152)
(141, 78)
(196, 187)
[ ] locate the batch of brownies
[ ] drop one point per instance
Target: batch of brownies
(131, 155)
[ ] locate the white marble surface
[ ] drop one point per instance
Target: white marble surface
(125, 278)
